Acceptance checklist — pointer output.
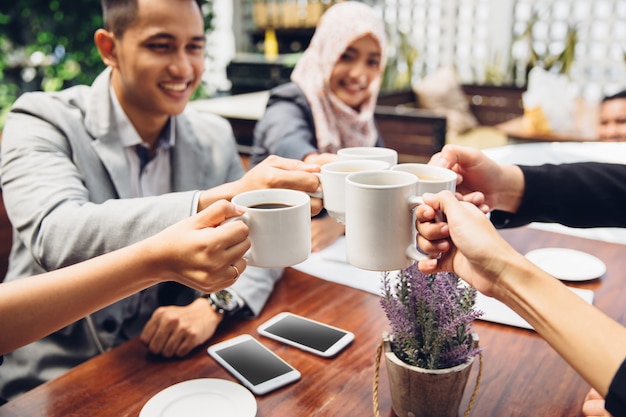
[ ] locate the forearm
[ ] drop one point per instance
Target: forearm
(511, 189)
(592, 343)
(562, 194)
(88, 229)
(34, 307)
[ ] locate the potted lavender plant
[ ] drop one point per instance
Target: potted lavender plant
(430, 349)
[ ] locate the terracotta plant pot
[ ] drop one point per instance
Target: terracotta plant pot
(419, 392)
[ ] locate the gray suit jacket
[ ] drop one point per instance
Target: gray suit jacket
(65, 182)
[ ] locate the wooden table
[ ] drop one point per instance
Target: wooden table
(522, 375)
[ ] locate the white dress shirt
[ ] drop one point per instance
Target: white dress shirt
(154, 178)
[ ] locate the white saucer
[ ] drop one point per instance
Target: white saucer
(567, 264)
(202, 397)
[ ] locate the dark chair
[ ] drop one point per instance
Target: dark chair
(492, 105)
(414, 133)
(417, 133)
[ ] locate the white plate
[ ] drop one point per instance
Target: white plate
(567, 264)
(202, 397)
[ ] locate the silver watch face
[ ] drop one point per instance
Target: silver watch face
(224, 300)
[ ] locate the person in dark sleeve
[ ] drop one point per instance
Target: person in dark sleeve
(582, 195)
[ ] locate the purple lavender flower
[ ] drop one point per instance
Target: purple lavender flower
(431, 317)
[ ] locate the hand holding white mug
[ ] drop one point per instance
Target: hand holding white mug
(470, 245)
(382, 236)
(380, 227)
(279, 221)
(430, 178)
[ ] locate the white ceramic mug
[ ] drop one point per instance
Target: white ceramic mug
(333, 178)
(280, 226)
(380, 223)
(369, 152)
(430, 178)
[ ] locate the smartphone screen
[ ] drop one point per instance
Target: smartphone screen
(306, 334)
(257, 367)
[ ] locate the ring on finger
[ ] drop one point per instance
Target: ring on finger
(237, 273)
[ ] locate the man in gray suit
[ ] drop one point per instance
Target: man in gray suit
(95, 168)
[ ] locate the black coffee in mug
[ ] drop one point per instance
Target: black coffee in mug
(270, 206)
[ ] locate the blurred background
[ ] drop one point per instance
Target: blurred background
(253, 45)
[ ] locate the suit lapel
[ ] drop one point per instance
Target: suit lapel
(113, 156)
(187, 153)
(106, 144)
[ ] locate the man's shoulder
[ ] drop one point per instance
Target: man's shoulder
(52, 102)
(76, 98)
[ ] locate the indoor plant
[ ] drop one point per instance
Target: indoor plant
(430, 348)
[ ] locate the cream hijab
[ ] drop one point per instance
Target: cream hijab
(336, 124)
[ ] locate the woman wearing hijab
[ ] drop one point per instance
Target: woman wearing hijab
(330, 102)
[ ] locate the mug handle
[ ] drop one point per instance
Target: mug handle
(411, 251)
(246, 219)
(320, 193)
(415, 201)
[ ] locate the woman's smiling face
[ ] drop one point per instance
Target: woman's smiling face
(355, 70)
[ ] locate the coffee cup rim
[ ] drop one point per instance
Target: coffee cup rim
(408, 178)
(374, 164)
(294, 197)
(450, 174)
(378, 150)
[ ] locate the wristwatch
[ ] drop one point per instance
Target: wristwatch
(226, 302)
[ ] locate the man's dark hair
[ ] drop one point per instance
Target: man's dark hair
(620, 95)
(117, 15)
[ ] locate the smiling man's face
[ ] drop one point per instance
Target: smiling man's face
(159, 59)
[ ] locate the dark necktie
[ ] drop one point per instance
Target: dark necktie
(144, 156)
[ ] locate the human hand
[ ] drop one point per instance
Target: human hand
(320, 158)
(324, 232)
(499, 184)
(200, 252)
(277, 172)
(176, 331)
(594, 405)
(468, 243)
